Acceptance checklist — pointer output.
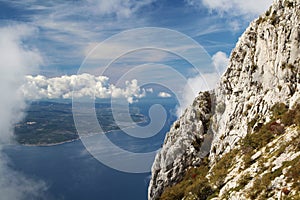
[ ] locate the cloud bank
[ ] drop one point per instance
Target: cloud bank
(16, 60)
(82, 85)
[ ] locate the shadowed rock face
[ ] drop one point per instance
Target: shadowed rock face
(263, 70)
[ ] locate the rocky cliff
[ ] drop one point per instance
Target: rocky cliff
(241, 140)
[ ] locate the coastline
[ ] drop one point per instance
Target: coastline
(50, 144)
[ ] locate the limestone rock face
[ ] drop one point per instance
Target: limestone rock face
(182, 145)
(264, 69)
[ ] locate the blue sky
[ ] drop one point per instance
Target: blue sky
(43, 40)
(132, 43)
(65, 29)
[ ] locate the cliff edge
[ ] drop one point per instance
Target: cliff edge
(241, 140)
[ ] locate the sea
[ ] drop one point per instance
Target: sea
(72, 173)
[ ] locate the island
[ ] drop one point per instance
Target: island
(51, 123)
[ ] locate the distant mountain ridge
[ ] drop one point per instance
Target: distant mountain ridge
(253, 116)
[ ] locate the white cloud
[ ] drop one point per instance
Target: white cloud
(204, 82)
(237, 13)
(220, 62)
(235, 25)
(68, 26)
(140, 45)
(150, 90)
(16, 60)
(121, 8)
(164, 95)
(83, 85)
(234, 7)
(16, 186)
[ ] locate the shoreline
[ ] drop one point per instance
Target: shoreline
(50, 144)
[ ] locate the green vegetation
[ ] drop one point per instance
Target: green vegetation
(51, 122)
(261, 138)
(195, 181)
(269, 131)
(196, 184)
(278, 110)
(293, 173)
(286, 117)
(243, 181)
(261, 189)
(222, 167)
(261, 184)
(46, 123)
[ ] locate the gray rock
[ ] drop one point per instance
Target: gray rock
(263, 70)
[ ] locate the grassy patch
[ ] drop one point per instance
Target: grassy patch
(287, 117)
(261, 187)
(243, 181)
(293, 173)
(260, 138)
(194, 182)
(269, 131)
(222, 168)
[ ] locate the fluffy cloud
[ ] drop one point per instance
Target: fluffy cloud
(164, 95)
(83, 85)
(205, 81)
(220, 62)
(16, 60)
(234, 7)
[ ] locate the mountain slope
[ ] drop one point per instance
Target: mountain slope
(252, 116)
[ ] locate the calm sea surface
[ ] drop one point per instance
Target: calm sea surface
(71, 173)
